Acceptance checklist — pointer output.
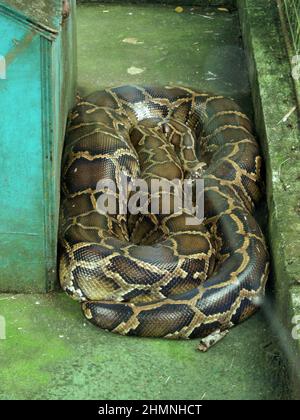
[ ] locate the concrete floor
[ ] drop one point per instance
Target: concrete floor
(50, 352)
(200, 48)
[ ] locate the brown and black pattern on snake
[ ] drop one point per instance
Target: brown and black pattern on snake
(154, 275)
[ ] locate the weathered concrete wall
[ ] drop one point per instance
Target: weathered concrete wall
(277, 122)
(47, 13)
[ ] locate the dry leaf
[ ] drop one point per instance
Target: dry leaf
(135, 70)
(133, 41)
(223, 9)
(207, 342)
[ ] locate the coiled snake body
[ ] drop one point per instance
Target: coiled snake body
(155, 275)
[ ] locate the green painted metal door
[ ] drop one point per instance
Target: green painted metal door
(37, 88)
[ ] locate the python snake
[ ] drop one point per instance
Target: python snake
(155, 275)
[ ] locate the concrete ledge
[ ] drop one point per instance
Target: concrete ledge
(224, 3)
(274, 97)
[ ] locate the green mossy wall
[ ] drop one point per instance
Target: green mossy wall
(274, 100)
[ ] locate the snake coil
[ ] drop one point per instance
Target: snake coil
(155, 275)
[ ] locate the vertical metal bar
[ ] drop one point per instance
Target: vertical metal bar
(292, 15)
(292, 47)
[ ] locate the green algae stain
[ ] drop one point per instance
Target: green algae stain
(57, 355)
(32, 345)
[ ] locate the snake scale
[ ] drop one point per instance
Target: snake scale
(155, 275)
